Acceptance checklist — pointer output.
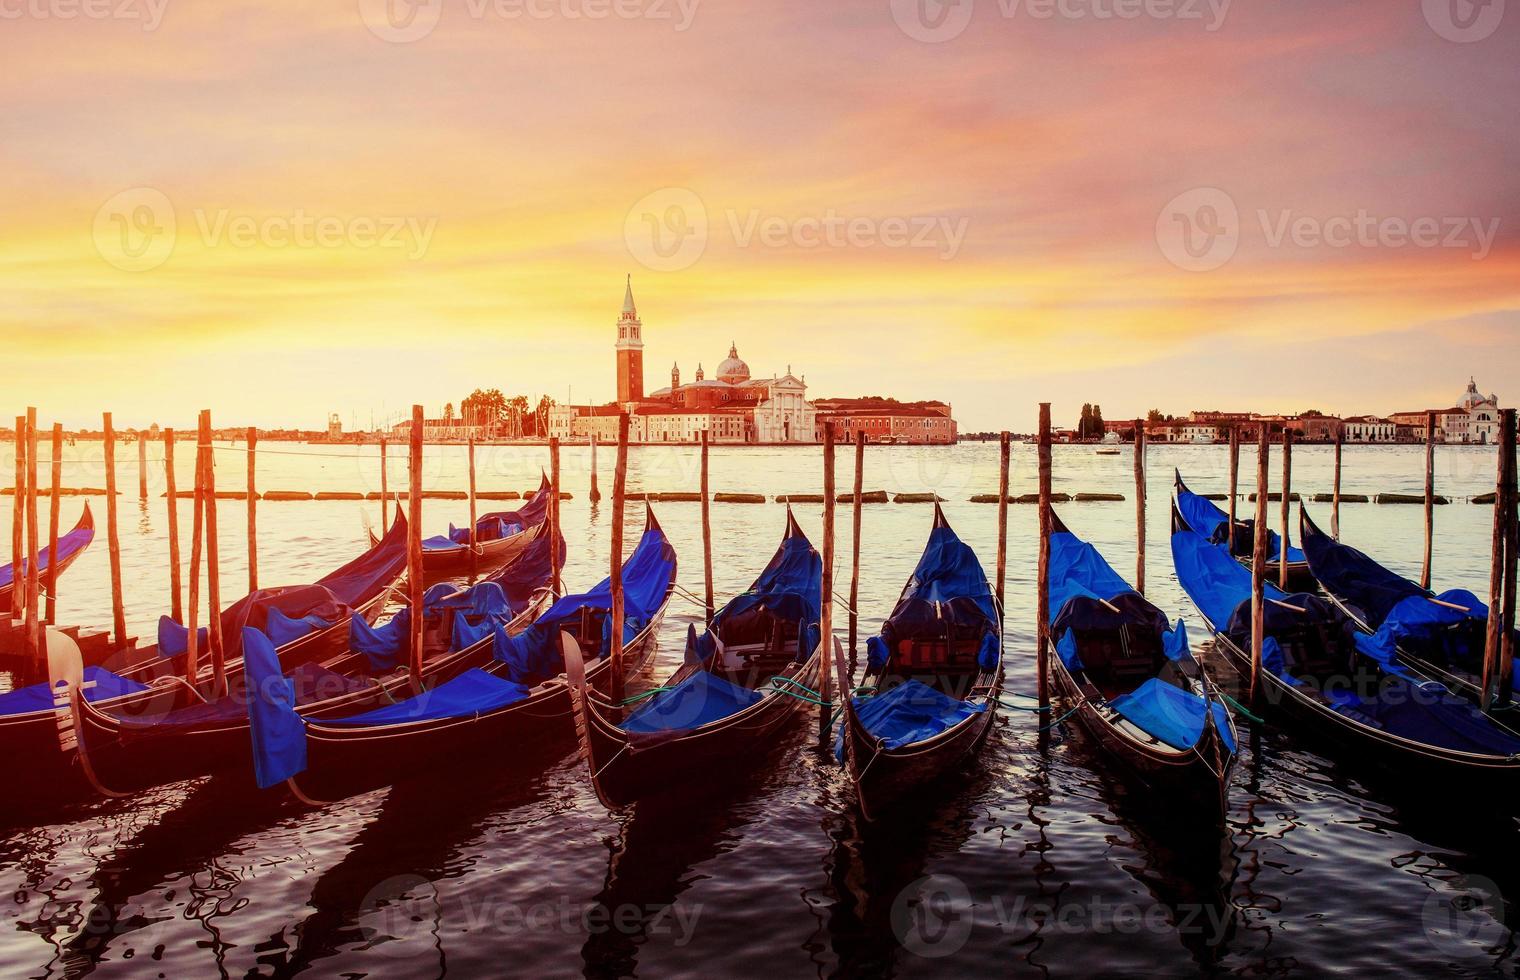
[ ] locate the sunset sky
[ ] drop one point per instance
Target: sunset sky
(1005, 184)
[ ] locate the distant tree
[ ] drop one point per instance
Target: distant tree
(541, 415)
(1097, 421)
(1312, 413)
(448, 412)
(483, 407)
(1154, 415)
(1084, 425)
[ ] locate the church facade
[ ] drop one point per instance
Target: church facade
(731, 407)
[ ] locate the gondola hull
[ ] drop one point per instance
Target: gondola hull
(86, 522)
(343, 760)
(1198, 776)
(1431, 766)
(626, 768)
(884, 777)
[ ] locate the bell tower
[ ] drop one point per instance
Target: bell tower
(630, 351)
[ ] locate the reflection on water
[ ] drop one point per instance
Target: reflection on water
(1035, 860)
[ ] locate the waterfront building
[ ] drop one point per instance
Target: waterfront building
(733, 406)
(1474, 419)
(1369, 429)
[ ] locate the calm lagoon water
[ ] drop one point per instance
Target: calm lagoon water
(1037, 861)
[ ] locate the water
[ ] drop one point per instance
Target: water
(1037, 861)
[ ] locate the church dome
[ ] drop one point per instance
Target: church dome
(732, 370)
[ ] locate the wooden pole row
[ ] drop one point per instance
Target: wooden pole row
(826, 615)
(1259, 564)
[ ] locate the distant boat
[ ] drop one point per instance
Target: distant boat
(1108, 452)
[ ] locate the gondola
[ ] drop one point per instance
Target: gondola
(70, 547)
(519, 702)
(938, 666)
(1201, 515)
(726, 704)
(1320, 678)
(1442, 636)
(1132, 679)
(497, 536)
(167, 739)
(309, 624)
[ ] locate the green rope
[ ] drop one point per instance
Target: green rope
(642, 695)
(1240, 709)
(1046, 728)
(1019, 707)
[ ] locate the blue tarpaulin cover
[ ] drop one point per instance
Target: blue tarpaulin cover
(100, 684)
(1205, 517)
(1171, 714)
(911, 712)
(529, 572)
(1081, 582)
(789, 587)
(69, 545)
(473, 692)
(1397, 608)
(948, 585)
(1403, 705)
(702, 698)
(485, 603)
(534, 654)
(282, 629)
(277, 732)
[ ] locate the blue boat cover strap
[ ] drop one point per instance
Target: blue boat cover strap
(702, 698)
(472, 693)
(278, 734)
(99, 685)
(912, 712)
(1171, 714)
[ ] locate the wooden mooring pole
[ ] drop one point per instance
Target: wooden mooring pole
(171, 491)
(1140, 506)
(1498, 650)
(142, 464)
(36, 654)
(18, 521)
(253, 514)
(707, 568)
(217, 642)
(1234, 483)
(1042, 599)
(1335, 491)
(595, 494)
(197, 544)
(1287, 494)
(619, 489)
(554, 523)
(474, 544)
(113, 541)
(53, 516)
(1004, 457)
(826, 612)
(855, 516)
(1430, 496)
(1259, 564)
(385, 493)
(414, 570)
